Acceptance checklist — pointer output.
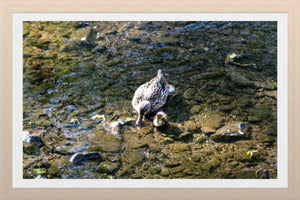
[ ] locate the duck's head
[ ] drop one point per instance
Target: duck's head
(160, 119)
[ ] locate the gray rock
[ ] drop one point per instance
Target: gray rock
(84, 156)
(113, 127)
(230, 132)
(28, 138)
(233, 128)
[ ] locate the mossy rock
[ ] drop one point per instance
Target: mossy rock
(191, 125)
(132, 157)
(109, 167)
(179, 147)
(195, 109)
(259, 113)
(211, 119)
(32, 148)
(172, 163)
(199, 138)
(233, 163)
(154, 170)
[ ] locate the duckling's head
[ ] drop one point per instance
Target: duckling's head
(160, 119)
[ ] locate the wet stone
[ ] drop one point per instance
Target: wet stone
(84, 156)
(109, 166)
(113, 128)
(172, 163)
(28, 138)
(210, 120)
(233, 128)
(199, 138)
(31, 144)
(196, 158)
(180, 147)
(259, 112)
(231, 132)
(207, 130)
(233, 163)
(195, 109)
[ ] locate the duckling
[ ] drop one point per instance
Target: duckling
(150, 97)
(160, 119)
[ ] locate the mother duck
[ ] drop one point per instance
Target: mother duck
(150, 97)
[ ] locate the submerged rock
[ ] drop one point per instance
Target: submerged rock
(109, 166)
(31, 143)
(259, 112)
(113, 128)
(84, 156)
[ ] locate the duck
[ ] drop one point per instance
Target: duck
(160, 119)
(150, 97)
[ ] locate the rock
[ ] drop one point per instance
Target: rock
(113, 128)
(207, 130)
(259, 112)
(199, 138)
(240, 80)
(136, 39)
(31, 143)
(28, 138)
(40, 177)
(211, 120)
(84, 156)
(233, 128)
(179, 147)
(196, 158)
(195, 109)
(191, 125)
(101, 49)
(172, 163)
(109, 166)
(124, 122)
(230, 132)
(233, 163)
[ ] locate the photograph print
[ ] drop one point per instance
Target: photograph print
(149, 100)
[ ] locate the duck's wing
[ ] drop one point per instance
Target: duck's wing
(155, 91)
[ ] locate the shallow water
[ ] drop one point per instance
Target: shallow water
(79, 77)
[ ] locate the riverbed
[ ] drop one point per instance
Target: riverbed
(79, 79)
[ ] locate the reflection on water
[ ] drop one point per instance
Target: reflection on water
(80, 77)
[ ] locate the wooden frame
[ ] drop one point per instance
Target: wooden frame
(8, 7)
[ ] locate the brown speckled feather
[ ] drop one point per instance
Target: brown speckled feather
(155, 91)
